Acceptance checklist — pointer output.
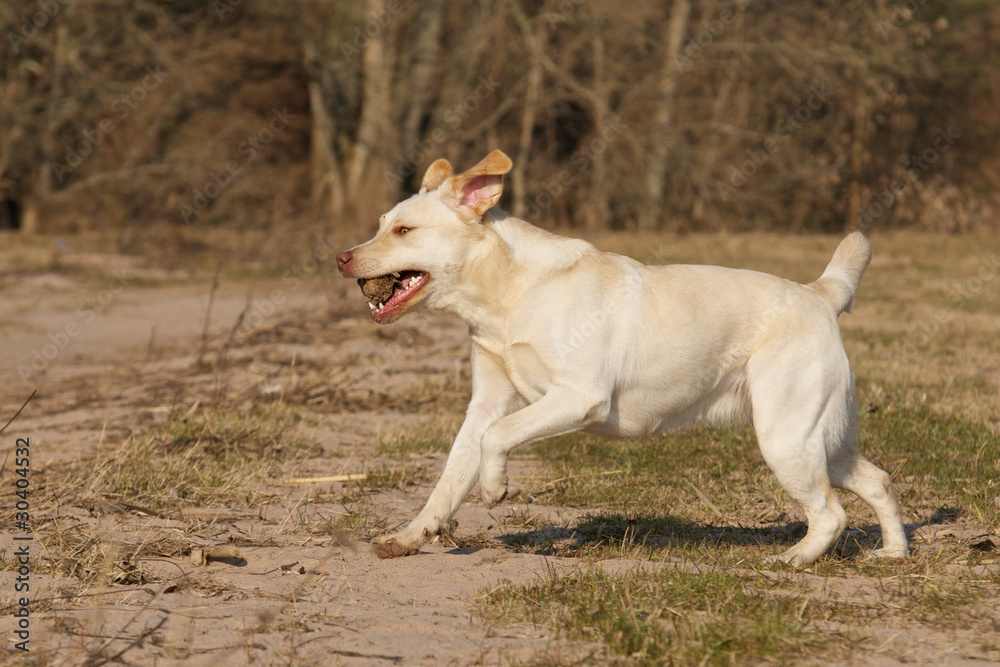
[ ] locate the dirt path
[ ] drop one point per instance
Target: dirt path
(110, 358)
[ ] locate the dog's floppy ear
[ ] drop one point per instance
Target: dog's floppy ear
(475, 191)
(435, 175)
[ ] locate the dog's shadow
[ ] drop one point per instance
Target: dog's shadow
(625, 533)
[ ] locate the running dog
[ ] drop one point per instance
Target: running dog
(567, 338)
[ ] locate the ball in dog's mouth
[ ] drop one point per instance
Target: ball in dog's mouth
(388, 293)
(378, 290)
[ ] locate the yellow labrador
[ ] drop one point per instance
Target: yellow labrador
(567, 338)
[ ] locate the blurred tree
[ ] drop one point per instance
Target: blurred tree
(690, 114)
(661, 135)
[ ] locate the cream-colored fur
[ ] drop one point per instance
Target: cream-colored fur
(567, 338)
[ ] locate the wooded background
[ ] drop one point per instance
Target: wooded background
(681, 115)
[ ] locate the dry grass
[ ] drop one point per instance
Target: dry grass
(207, 459)
(694, 514)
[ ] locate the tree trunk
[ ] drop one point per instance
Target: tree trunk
(425, 57)
(376, 105)
(859, 139)
(651, 211)
(706, 158)
(43, 186)
(596, 216)
(859, 130)
(528, 111)
(327, 195)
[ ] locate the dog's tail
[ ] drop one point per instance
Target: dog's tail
(839, 283)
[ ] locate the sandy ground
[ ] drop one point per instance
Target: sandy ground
(111, 355)
(291, 597)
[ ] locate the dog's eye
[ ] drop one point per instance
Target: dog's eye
(401, 230)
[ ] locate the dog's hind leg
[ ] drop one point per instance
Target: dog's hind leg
(852, 472)
(807, 483)
(796, 416)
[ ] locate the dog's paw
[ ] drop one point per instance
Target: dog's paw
(493, 494)
(784, 559)
(491, 500)
(493, 485)
(885, 552)
(793, 557)
(392, 546)
(493, 481)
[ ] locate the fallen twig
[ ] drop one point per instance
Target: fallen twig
(704, 499)
(200, 557)
(329, 478)
(23, 406)
(208, 315)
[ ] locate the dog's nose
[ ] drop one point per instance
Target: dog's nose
(343, 258)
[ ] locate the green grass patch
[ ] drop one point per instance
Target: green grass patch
(939, 461)
(652, 468)
(698, 490)
(719, 617)
(702, 489)
(665, 617)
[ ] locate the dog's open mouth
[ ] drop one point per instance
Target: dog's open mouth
(388, 294)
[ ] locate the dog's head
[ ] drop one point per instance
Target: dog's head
(425, 240)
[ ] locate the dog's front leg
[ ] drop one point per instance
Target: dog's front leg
(459, 476)
(561, 410)
(493, 396)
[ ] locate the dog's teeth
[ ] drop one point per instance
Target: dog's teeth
(395, 274)
(371, 306)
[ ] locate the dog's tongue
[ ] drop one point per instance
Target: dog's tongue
(378, 290)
